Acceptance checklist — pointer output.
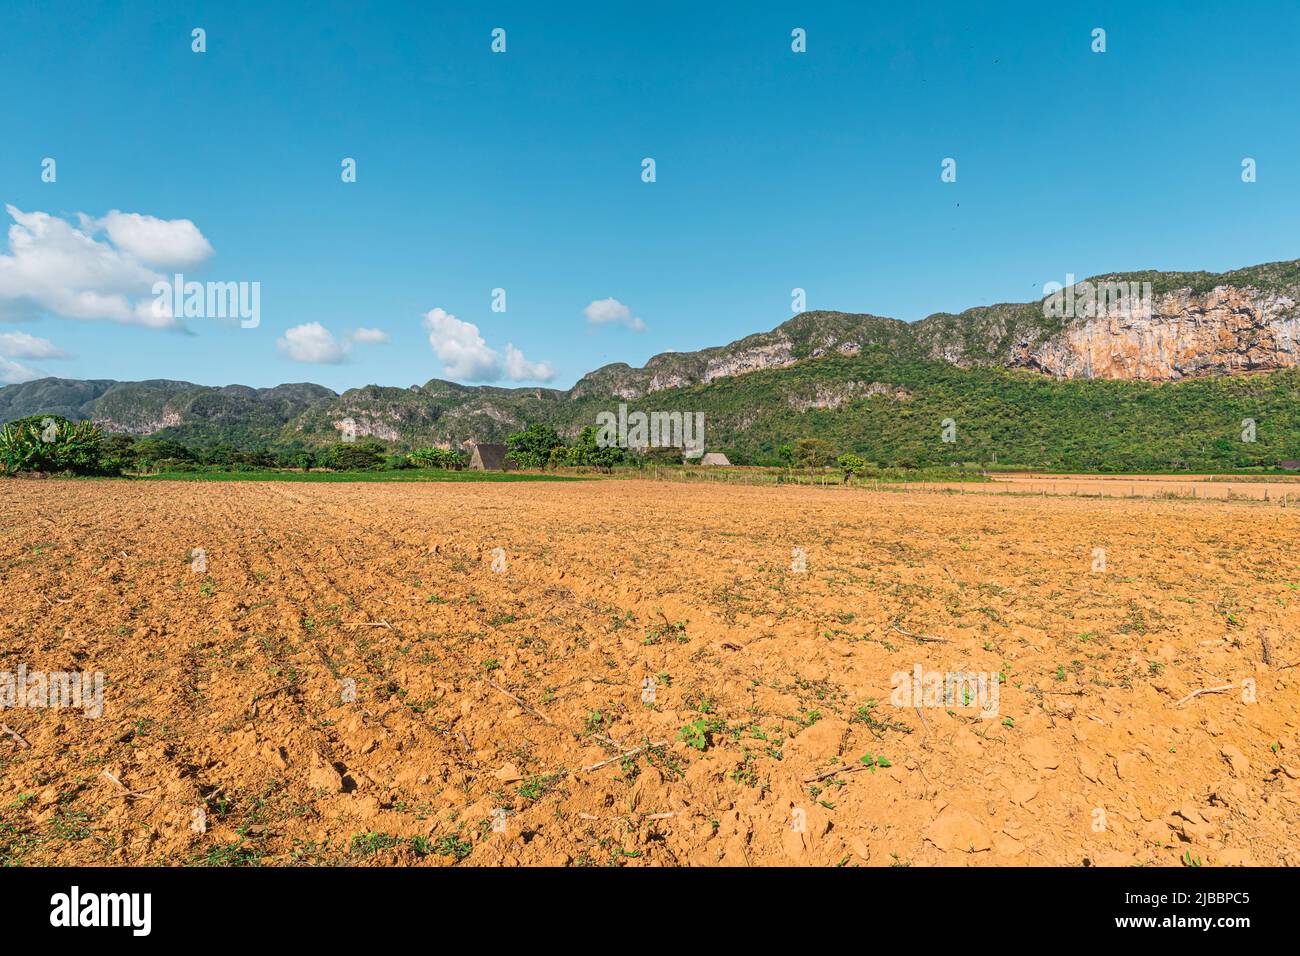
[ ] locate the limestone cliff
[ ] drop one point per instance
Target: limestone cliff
(1223, 331)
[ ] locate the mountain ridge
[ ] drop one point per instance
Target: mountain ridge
(1198, 326)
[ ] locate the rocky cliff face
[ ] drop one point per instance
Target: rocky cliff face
(1194, 325)
(831, 396)
(1223, 331)
(771, 355)
(807, 335)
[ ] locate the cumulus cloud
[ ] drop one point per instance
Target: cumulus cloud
(12, 373)
(170, 243)
(370, 336)
(460, 348)
(314, 344)
(23, 345)
(55, 267)
(613, 312)
(519, 369)
(466, 356)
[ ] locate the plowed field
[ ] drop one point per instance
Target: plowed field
(647, 674)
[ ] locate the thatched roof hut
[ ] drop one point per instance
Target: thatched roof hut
(715, 459)
(489, 458)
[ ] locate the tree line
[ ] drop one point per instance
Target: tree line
(52, 444)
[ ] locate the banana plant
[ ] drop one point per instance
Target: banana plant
(50, 443)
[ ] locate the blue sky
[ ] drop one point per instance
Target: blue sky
(522, 170)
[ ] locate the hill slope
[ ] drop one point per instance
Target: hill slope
(1110, 388)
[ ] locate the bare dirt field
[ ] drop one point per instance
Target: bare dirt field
(1284, 492)
(643, 675)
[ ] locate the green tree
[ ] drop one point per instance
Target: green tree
(303, 459)
(588, 452)
(531, 448)
(259, 458)
(118, 453)
(813, 453)
(851, 465)
(150, 451)
(357, 456)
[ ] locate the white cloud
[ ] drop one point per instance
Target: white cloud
(519, 369)
(53, 266)
(613, 312)
(370, 336)
(22, 345)
(11, 373)
(311, 342)
(464, 354)
(460, 348)
(171, 243)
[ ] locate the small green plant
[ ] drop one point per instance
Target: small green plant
(699, 733)
(746, 773)
(453, 846)
(866, 714)
(229, 854)
(675, 631)
(807, 717)
(536, 787)
(368, 844)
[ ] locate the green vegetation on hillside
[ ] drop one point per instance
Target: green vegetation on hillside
(854, 384)
(888, 410)
(1005, 417)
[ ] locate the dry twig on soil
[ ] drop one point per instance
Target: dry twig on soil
(122, 788)
(1207, 690)
(18, 738)
(846, 768)
(925, 638)
(630, 753)
(522, 703)
(1267, 648)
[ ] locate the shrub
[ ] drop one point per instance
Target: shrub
(587, 452)
(531, 448)
(151, 452)
(302, 458)
(51, 443)
(118, 453)
(436, 458)
(851, 465)
(357, 456)
(176, 464)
